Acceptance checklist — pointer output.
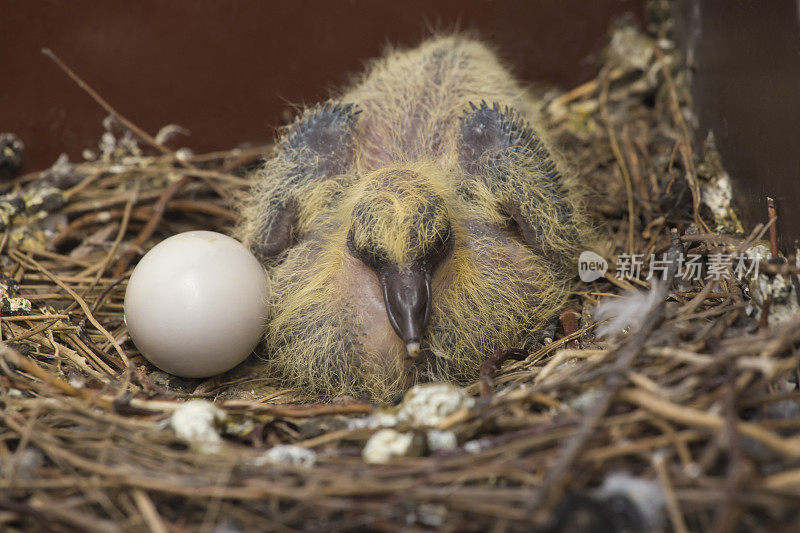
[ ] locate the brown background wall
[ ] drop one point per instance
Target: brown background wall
(747, 90)
(228, 70)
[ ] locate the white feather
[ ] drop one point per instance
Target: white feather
(624, 314)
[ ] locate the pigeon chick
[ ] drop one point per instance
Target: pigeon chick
(411, 226)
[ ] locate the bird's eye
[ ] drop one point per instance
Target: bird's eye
(369, 255)
(436, 253)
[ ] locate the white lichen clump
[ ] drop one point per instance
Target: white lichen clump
(23, 464)
(423, 408)
(389, 443)
(646, 495)
(196, 423)
(428, 404)
(630, 50)
(18, 306)
(114, 147)
(718, 195)
(287, 454)
(584, 402)
(477, 445)
(441, 440)
(381, 418)
(778, 289)
(716, 190)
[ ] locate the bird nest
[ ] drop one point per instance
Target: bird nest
(689, 400)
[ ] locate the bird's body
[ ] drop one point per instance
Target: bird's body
(411, 217)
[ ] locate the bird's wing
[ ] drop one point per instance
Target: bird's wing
(499, 148)
(316, 147)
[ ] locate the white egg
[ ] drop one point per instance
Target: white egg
(196, 304)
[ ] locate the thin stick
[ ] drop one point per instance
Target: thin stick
(123, 227)
(26, 318)
(787, 446)
(152, 224)
(491, 365)
(154, 521)
(105, 105)
(621, 163)
(773, 231)
(685, 146)
(673, 507)
(587, 88)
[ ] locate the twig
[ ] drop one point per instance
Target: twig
(789, 447)
(28, 318)
(299, 411)
(587, 88)
(152, 224)
(673, 507)
(621, 163)
(110, 110)
(491, 365)
(685, 146)
(764, 321)
(738, 470)
(773, 232)
(149, 511)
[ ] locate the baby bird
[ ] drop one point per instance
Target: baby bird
(411, 226)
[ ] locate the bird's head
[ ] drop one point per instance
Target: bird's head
(401, 230)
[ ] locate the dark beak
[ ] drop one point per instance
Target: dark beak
(407, 295)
